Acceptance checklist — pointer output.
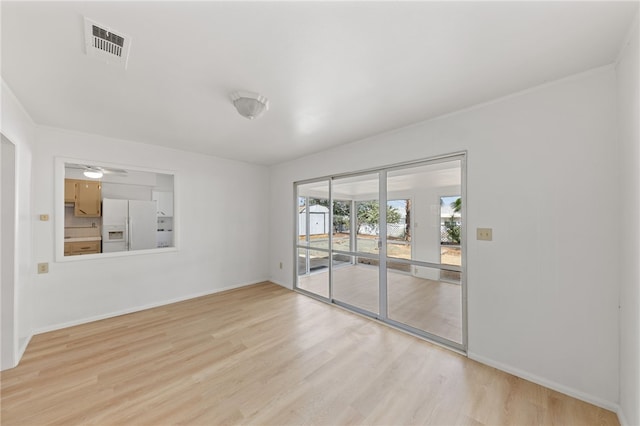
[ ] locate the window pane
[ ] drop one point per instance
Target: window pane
(313, 214)
(342, 225)
(356, 283)
(422, 212)
(313, 271)
(398, 228)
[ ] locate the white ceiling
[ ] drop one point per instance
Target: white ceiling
(334, 72)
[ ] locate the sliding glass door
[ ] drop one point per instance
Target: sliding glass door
(389, 243)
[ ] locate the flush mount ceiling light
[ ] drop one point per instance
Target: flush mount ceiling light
(250, 105)
(92, 173)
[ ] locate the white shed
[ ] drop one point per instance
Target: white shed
(318, 220)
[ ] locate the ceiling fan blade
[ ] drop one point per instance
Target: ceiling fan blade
(108, 170)
(75, 166)
(113, 171)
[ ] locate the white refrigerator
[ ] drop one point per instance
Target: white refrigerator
(128, 225)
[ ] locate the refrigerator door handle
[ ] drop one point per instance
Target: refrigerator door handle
(127, 230)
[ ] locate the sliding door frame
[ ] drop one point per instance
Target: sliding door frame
(382, 255)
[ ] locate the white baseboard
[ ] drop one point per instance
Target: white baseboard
(60, 326)
(607, 405)
(22, 346)
(18, 352)
(622, 418)
(280, 284)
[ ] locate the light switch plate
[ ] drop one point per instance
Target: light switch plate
(484, 234)
(44, 217)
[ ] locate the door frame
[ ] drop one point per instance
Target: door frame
(8, 268)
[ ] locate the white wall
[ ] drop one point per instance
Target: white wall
(7, 252)
(18, 128)
(543, 295)
(221, 244)
(629, 209)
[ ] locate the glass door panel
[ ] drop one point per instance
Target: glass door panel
(357, 283)
(367, 227)
(312, 237)
(450, 229)
(313, 215)
(423, 291)
(415, 194)
(399, 228)
(313, 267)
(425, 304)
(356, 222)
(342, 226)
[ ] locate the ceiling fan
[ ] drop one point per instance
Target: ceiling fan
(96, 172)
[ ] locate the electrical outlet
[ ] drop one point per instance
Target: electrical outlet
(44, 217)
(43, 268)
(484, 234)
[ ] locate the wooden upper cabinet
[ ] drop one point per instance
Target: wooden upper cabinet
(70, 190)
(88, 196)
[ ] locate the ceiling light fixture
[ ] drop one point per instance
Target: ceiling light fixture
(250, 105)
(92, 173)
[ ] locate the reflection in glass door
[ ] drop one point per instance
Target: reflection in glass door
(389, 244)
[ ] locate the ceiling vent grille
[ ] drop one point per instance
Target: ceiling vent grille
(105, 44)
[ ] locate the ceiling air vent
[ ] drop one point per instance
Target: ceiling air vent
(105, 44)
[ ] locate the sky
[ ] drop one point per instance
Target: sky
(446, 209)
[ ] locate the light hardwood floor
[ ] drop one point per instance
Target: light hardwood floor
(265, 355)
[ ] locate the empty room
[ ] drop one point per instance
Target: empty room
(328, 213)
